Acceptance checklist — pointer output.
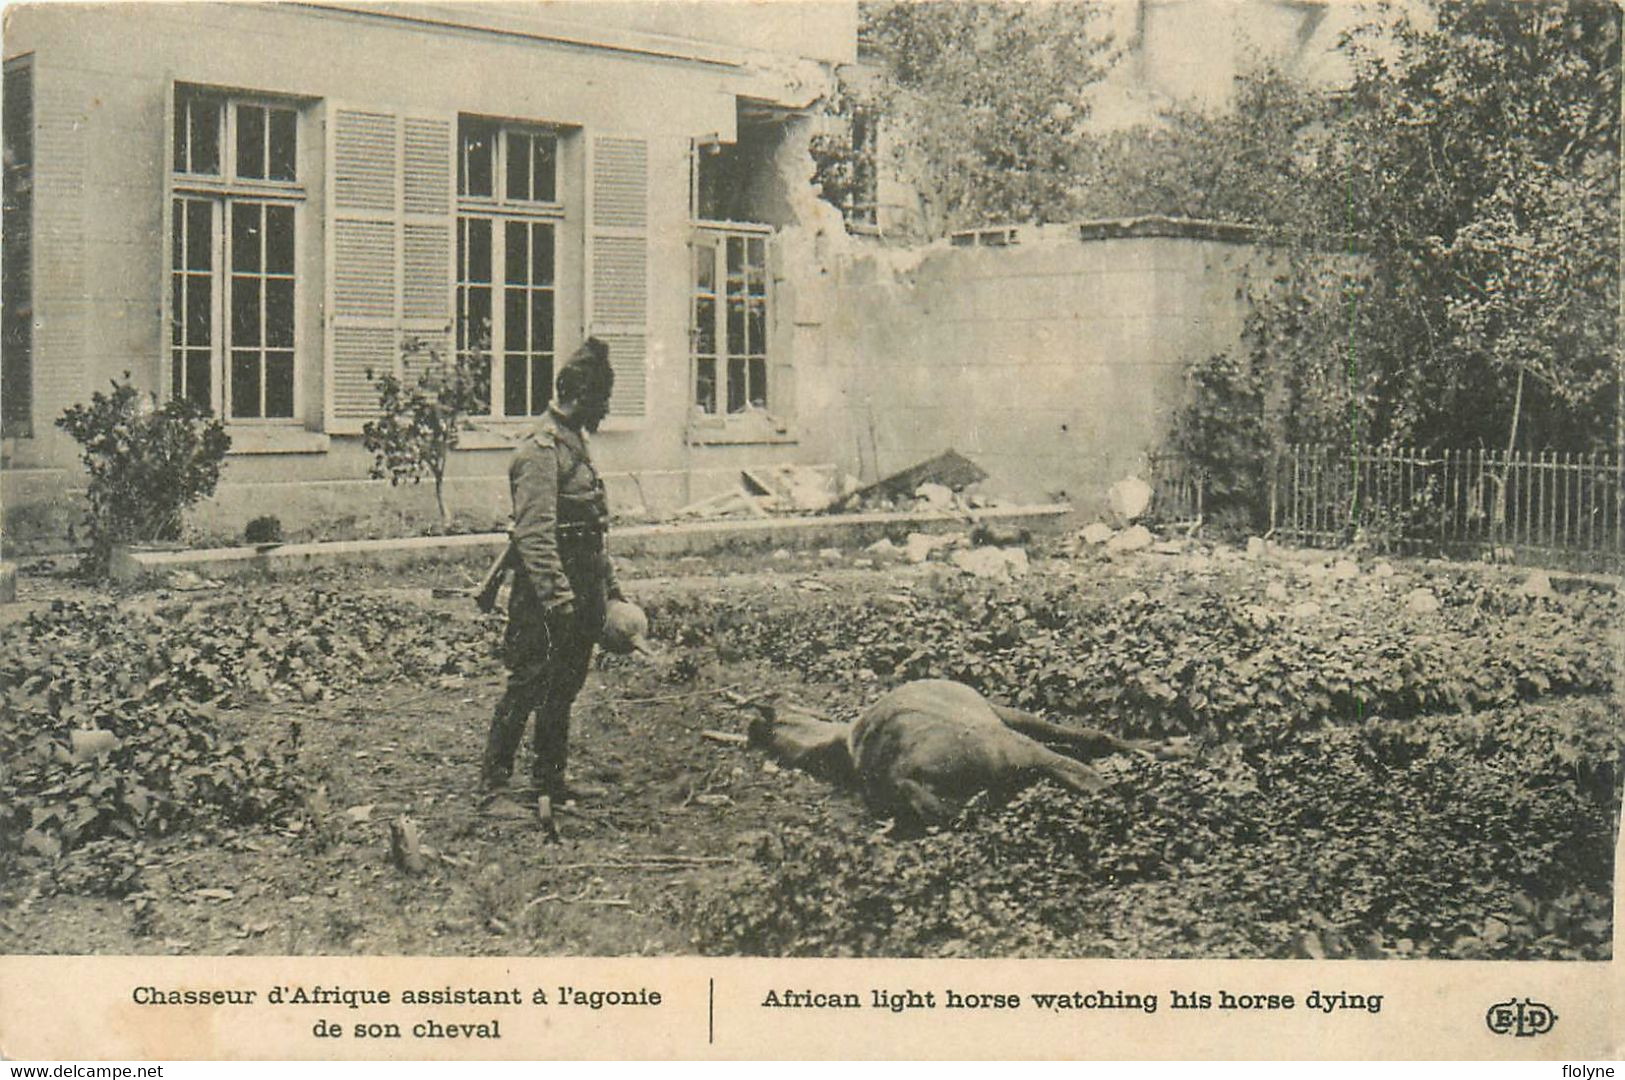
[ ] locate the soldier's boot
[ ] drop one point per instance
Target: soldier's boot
(496, 766)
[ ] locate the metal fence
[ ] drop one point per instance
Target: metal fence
(1567, 509)
(1177, 490)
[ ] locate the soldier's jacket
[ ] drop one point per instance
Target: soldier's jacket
(560, 511)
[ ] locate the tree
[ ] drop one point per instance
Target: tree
(421, 423)
(984, 104)
(147, 464)
(1477, 153)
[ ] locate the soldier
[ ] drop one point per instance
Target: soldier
(562, 580)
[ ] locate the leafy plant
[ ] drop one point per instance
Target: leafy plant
(266, 529)
(421, 422)
(1456, 837)
(146, 464)
(111, 720)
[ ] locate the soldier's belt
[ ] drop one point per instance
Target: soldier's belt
(579, 530)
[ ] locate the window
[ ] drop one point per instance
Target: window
(16, 352)
(234, 232)
(508, 221)
(729, 320)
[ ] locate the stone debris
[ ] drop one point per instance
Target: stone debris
(1421, 601)
(935, 496)
(1129, 498)
(999, 564)
(1538, 586)
(920, 546)
(1097, 533)
(1257, 547)
(791, 488)
(949, 470)
(1133, 538)
(1345, 570)
(406, 845)
(884, 548)
(91, 744)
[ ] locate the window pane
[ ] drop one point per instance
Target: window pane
(736, 384)
(251, 141)
(279, 313)
(179, 139)
(758, 382)
(736, 255)
(284, 144)
(757, 328)
(199, 235)
(279, 239)
(177, 373)
(203, 136)
(736, 327)
(482, 379)
(518, 256)
(245, 237)
(705, 326)
(544, 168)
(705, 258)
(518, 166)
(177, 308)
(199, 305)
(474, 163)
(756, 252)
(541, 384)
(514, 328)
(198, 365)
(479, 249)
(245, 384)
(541, 321)
(245, 311)
(479, 318)
(515, 394)
(705, 385)
(177, 234)
(279, 384)
(541, 255)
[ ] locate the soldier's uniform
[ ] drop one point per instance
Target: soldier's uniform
(561, 516)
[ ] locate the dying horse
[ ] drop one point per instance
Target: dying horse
(925, 748)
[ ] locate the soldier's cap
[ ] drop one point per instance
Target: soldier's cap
(588, 365)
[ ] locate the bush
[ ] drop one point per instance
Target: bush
(266, 529)
(420, 424)
(147, 463)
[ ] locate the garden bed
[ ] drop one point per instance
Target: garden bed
(1370, 782)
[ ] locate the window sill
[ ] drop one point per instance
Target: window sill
(255, 439)
(750, 429)
(495, 434)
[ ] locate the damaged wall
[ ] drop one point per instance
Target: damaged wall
(1057, 366)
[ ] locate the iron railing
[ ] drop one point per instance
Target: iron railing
(1528, 507)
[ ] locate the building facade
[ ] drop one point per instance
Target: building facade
(263, 208)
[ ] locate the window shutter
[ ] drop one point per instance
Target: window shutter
(428, 147)
(618, 264)
(389, 251)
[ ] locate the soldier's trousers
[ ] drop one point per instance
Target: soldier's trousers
(547, 658)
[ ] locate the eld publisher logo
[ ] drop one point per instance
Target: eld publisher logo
(1523, 1019)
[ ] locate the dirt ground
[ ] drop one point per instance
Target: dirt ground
(678, 809)
(684, 804)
